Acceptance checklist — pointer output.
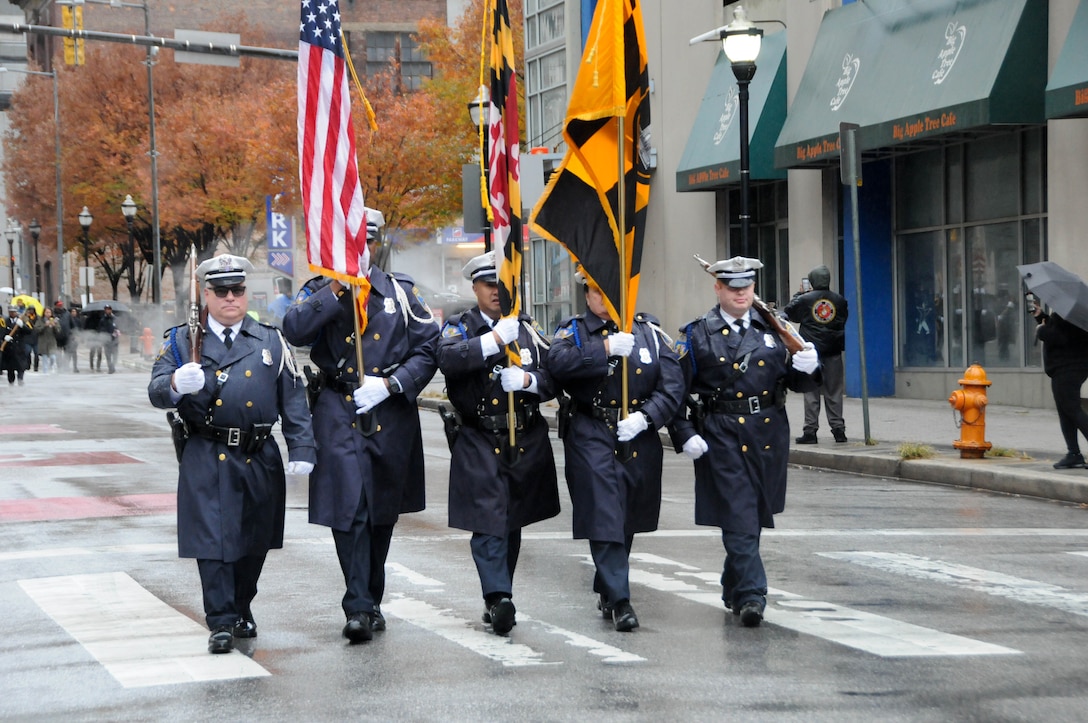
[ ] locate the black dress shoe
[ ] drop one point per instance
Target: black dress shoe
(604, 606)
(358, 629)
(377, 620)
(221, 640)
(501, 616)
(244, 628)
(807, 438)
(751, 614)
(839, 435)
(1070, 461)
(623, 616)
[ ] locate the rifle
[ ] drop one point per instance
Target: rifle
(786, 331)
(196, 318)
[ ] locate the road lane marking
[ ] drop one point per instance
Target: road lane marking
(444, 623)
(997, 584)
(7, 430)
(140, 640)
(68, 459)
(78, 508)
(607, 653)
(874, 634)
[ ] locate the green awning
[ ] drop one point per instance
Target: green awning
(1067, 91)
(712, 156)
(909, 71)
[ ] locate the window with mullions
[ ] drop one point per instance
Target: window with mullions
(768, 229)
(966, 216)
(385, 47)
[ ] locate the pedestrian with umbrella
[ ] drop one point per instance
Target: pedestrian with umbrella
(1064, 336)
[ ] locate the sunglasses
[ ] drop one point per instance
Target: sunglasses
(222, 291)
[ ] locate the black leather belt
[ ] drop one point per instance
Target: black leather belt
(748, 405)
(250, 440)
(605, 414)
(501, 423)
(345, 388)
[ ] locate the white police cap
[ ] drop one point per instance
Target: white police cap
(737, 272)
(224, 270)
(481, 268)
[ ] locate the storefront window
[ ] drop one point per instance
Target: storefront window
(552, 290)
(960, 298)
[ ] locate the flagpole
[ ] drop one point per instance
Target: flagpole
(621, 203)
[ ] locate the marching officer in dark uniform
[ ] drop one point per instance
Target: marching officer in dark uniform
(821, 315)
(495, 490)
(370, 462)
(737, 432)
(613, 465)
(231, 486)
(13, 349)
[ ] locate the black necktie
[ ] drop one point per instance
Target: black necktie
(227, 341)
(741, 327)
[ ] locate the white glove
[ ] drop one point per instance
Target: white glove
(634, 425)
(189, 378)
(297, 467)
(19, 322)
(696, 447)
(371, 394)
(507, 328)
(806, 360)
(8, 338)
(513, 379)
(621, 343)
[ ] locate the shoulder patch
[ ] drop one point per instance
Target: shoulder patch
(451, 330)
(682, 346)
(565, 332)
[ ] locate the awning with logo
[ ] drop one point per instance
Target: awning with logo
(1067, 91)
(913, 71)
(712, 155)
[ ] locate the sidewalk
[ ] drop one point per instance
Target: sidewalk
(1031, 434)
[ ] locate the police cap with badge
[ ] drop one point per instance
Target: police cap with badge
(738, 272)
(481, 268)
(224, 270)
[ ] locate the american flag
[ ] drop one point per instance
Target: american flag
(332, 197)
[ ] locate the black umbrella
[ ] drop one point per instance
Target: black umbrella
(101, 305)
(1063, 291)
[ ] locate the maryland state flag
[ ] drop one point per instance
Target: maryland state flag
(503, 163)
(580, 208)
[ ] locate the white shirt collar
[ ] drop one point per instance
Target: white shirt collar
(732, 320)
(218, 328)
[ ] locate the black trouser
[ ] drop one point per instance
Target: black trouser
(229, 589)
(362, 551)
(612, 569)
(1072, 418)
(496, 559)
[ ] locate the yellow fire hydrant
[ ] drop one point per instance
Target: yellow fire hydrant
(148, 340)
(971, 404)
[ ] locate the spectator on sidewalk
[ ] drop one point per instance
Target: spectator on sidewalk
(821, 314)
(73, 332)
(48, 332)
(1065, 361)
(110, 336)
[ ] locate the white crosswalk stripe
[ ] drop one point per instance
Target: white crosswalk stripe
(139, 639)
(1031, 592)
(856, 629)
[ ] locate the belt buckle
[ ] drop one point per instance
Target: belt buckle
(753, 405)
(234, 436)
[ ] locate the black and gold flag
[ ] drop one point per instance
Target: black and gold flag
(580, 207)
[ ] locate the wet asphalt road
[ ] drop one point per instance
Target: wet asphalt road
(890, 600)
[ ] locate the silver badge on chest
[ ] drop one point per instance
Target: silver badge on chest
(644, 355)
(390, 306)
(266, 357)
(526, 357)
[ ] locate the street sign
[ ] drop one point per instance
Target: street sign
(283, 261)
(280, 235)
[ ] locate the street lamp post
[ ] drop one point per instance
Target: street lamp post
(479, 110)
(85, 219)
(11, 252)
(57, 162)
(128, 208)
(741, 41)
(35, 232)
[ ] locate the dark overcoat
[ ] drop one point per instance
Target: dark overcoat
(399, 340)
(614, 497)
(231, 504)
(488, 494)
(740, 483)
